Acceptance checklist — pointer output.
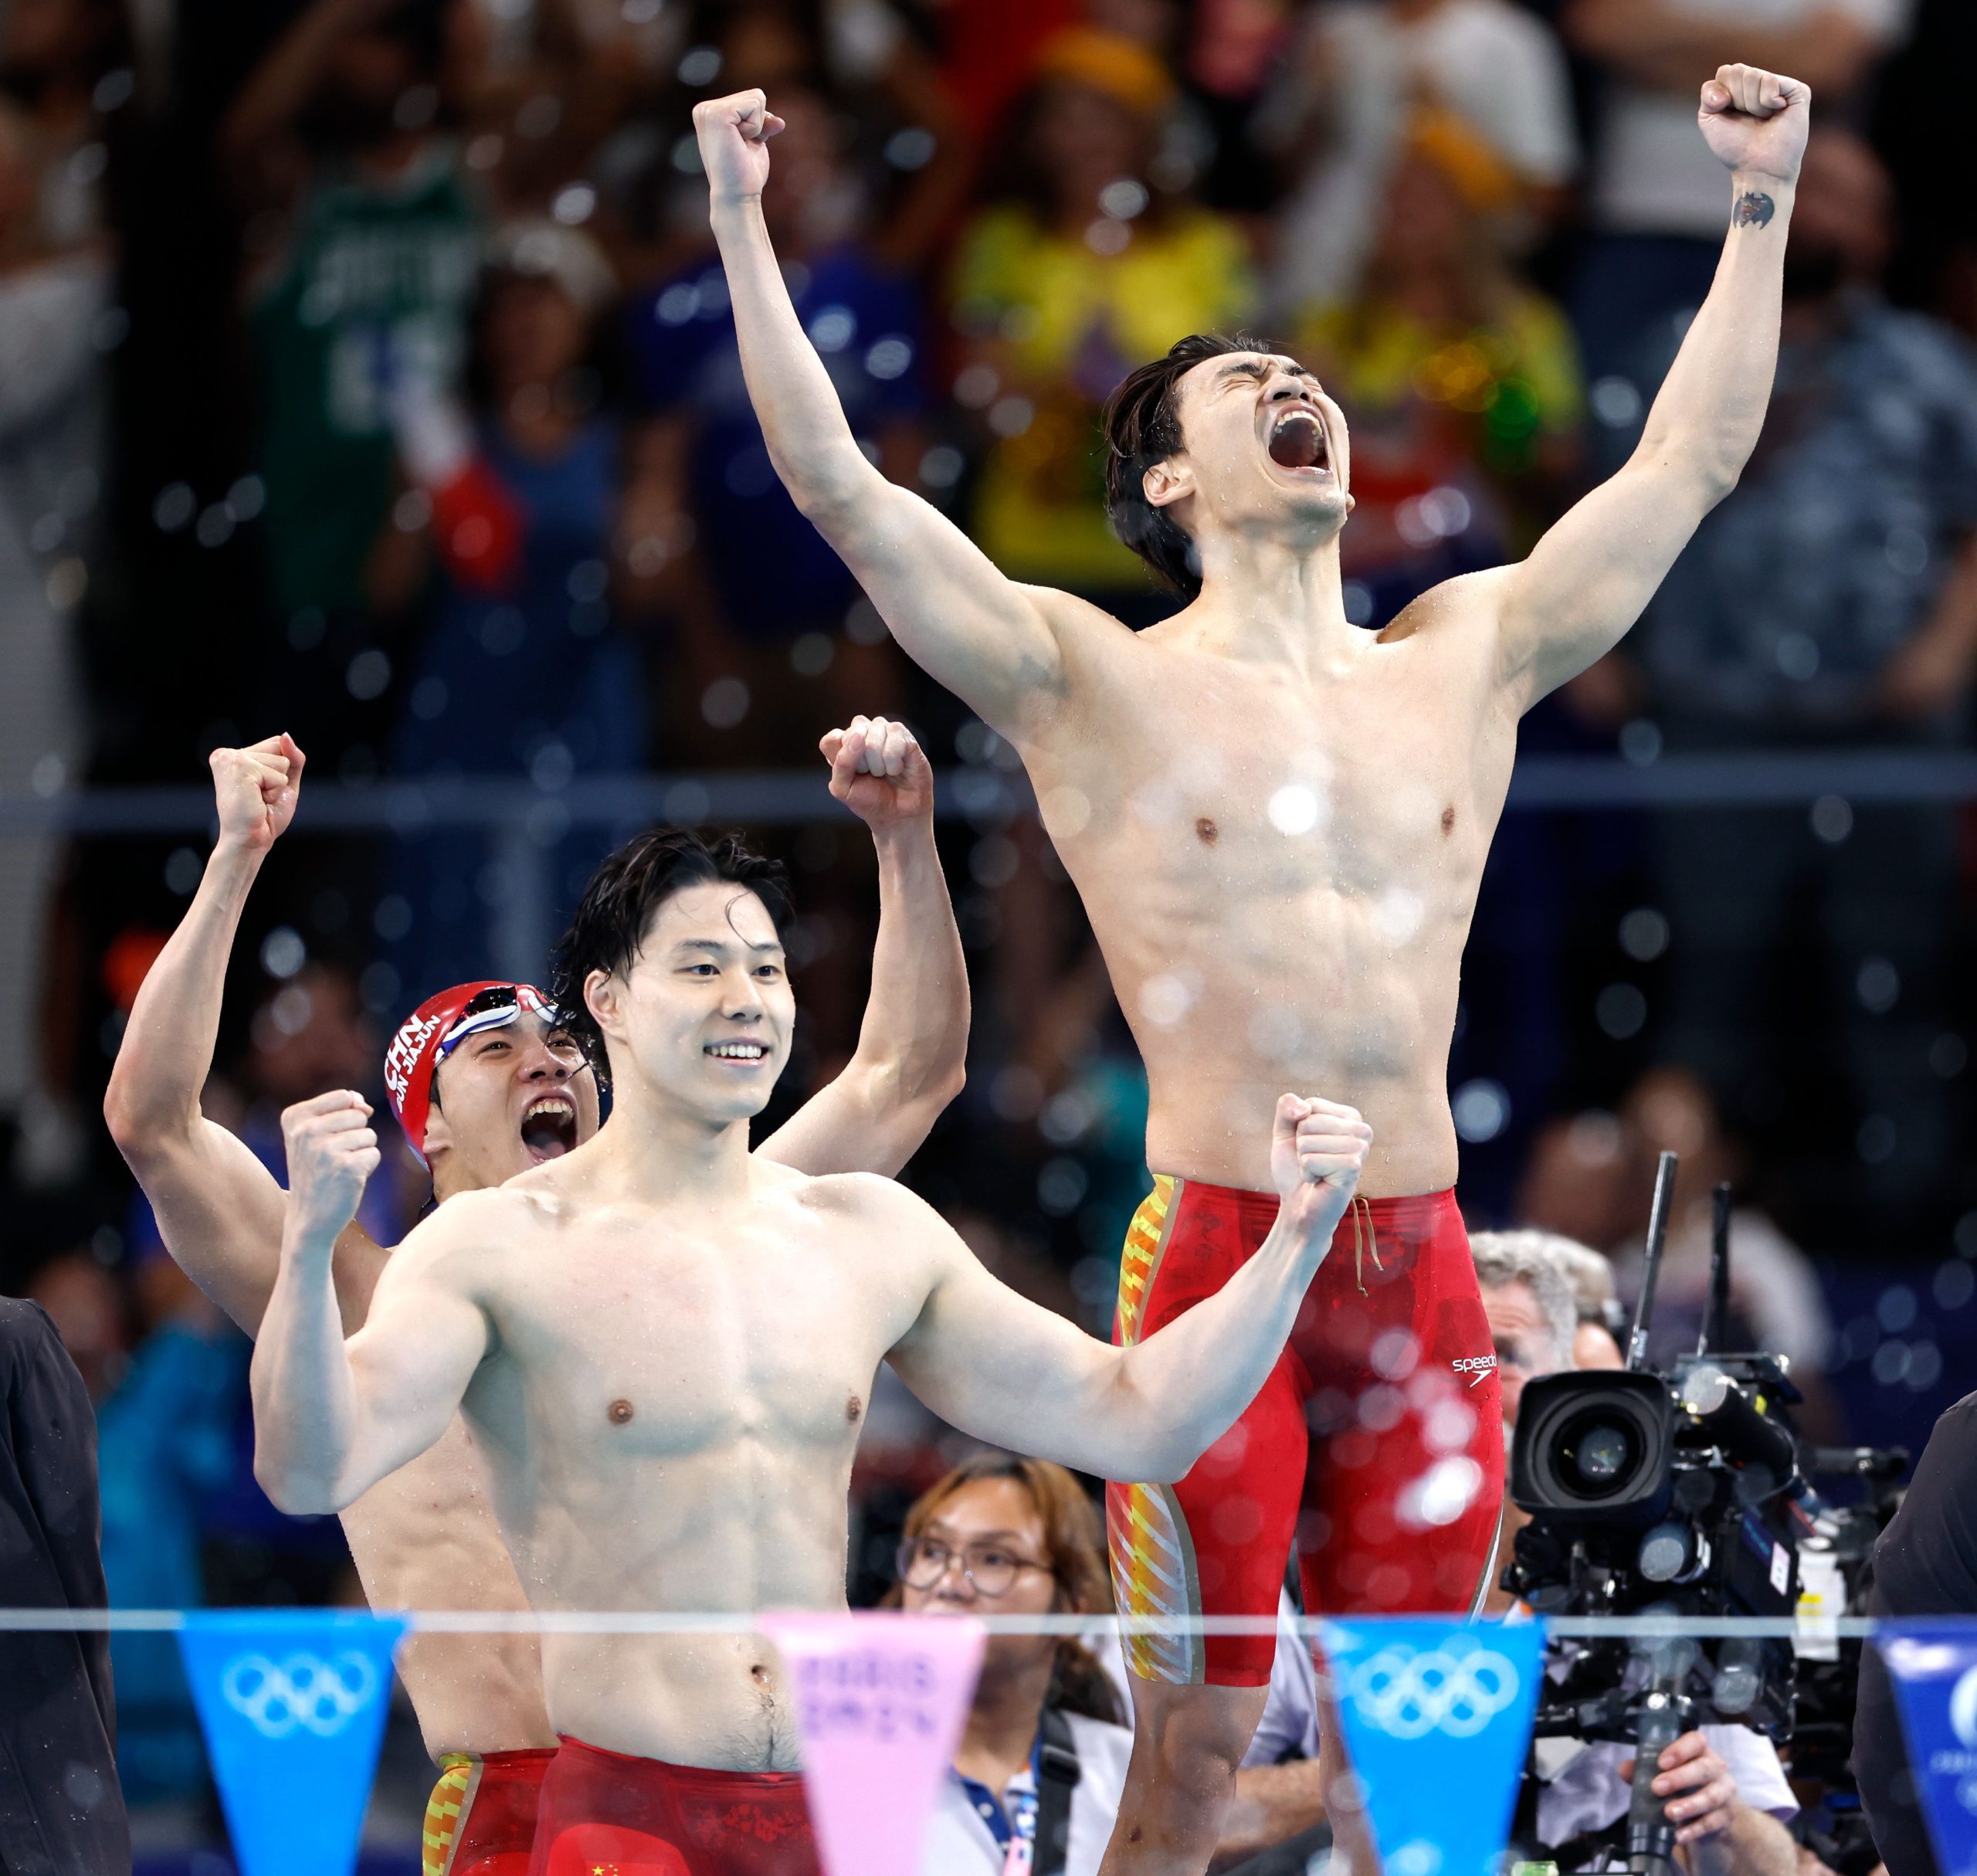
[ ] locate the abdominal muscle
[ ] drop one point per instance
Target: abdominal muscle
(1236, 997)
(676, 1534)
(426, 1538)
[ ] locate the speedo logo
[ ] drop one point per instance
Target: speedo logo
(1475, 1366)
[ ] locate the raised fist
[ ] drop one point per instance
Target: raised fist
(1317, 1151)
(734, 134)
(1756, 120)
(255, 790)
(332, 1151)
(880, 771)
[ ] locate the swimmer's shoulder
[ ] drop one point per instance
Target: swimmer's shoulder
(481, 1225)
(858, 1198)
(1469, 602)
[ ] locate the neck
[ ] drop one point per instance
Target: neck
(1267, 597)
(1008, 1708)
(656, 1149)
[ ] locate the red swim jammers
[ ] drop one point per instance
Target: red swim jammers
(632, 1816)
(1377, 1442)
(480, 1820)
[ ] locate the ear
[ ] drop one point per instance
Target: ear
(603, 995)
(438, 1136)
(1165, 482)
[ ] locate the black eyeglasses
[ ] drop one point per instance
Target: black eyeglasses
(923, 1562)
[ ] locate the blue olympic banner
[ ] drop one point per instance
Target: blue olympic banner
(1437, 1716)
(293, 1704)
(1934, 1668)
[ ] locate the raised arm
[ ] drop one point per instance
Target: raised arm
(983, 637)
(1014, 1374)
(332, 1417)
(913, 1045)
(1588, 580)
(218, 1210)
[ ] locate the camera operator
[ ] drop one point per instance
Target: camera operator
(1723, 1786)
(1724, 1789)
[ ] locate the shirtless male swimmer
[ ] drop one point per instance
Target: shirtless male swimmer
(664, 1348)
(1277, 823)
(487, 1085)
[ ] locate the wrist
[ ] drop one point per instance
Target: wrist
(733, 213)
(233, 865)
(309, 1245)
(1781, 189)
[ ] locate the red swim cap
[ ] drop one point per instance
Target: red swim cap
(429, 1035)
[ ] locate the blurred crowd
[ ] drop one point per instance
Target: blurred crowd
(366, 371)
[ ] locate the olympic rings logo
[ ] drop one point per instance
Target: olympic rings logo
(302, 1690)
(1407, 1696)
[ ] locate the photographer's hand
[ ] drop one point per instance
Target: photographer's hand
(1722, 1835)
(1696, 1788)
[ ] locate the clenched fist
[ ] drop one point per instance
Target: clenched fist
(332, 1151)
(255, 790)
(1317, 1151)
(734, 134)
(1756, 121)
(880, 771)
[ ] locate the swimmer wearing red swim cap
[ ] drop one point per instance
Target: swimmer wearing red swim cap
(487, 1085)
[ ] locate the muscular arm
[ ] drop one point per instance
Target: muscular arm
(913, 1045)
(1588, 579)
(1011, 1373)
(219, 1210)
(1665, 46)
(981, 635)
(331, 1417)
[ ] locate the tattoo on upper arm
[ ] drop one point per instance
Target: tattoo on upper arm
(1753, 209)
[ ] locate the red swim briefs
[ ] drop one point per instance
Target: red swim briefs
(612, 1814)
(480, 1820)
(1377, 1442)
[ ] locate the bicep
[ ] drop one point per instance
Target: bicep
(996, 1364)
(1592, 573)
(220, 1213)
(955, 612)
(418, 1348)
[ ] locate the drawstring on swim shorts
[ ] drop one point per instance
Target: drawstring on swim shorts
(1360, 1244)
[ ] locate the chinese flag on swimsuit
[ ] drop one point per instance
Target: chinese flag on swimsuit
(880, 1700)
(293, 1703)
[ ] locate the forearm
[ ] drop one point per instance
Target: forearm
(1755, 1844)
(1175, 1394)
(915, 1030)
(1710, 408)
(810, 440)
(308, 1419)
(167, 1050)
(1272, 1803)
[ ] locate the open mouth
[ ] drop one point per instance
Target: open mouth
(1298, 441)
(736, 1051)
(549, 1128)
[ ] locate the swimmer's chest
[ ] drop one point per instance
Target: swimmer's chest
(1224, 786)
(672, 1343)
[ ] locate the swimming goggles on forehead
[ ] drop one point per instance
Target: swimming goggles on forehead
(492, 1009)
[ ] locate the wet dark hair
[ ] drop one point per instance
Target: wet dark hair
(1142, 423)
(624, 896)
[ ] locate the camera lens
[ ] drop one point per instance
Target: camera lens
(1603, 1454)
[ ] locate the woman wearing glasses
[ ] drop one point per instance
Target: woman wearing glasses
(1043, 1760)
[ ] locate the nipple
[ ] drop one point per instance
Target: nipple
(619, 1412)
(1206, 831)
(854, 1408)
